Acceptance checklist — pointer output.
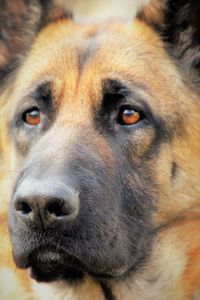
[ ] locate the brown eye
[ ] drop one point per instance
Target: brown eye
(129, 116)
(32, 116)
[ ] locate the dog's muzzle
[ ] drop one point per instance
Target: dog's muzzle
(45, 204)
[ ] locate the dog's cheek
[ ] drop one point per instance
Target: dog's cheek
(115, 211)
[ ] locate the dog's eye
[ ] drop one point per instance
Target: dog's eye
(32, 116)
(128, 116)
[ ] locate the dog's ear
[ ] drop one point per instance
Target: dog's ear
(178, 23)
(20, 21)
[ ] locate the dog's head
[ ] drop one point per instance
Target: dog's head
(104, 127)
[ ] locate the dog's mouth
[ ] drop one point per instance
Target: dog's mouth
(47, 264)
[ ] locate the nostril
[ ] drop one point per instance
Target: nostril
(57, 209)
(45, 204)
(23, 208)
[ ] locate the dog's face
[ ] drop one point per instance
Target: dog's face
(103, 129)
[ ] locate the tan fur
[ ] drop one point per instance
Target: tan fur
(173, 271)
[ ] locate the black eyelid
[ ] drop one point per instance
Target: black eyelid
(34, 108)
(19, 119)
(129, 107)
(143, 113)
(140, 106)
(124, 106)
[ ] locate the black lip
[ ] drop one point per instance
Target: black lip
(47, 264)
(48, 255)
(44, 274)
(46, 269)
(54, 259)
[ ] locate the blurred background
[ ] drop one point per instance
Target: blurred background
(96, 10)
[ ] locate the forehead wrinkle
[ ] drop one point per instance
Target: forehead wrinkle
(86, 52)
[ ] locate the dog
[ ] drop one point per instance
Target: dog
(100, 144)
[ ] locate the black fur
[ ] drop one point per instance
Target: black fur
(180, 31)
(107, 291)
(179, 15)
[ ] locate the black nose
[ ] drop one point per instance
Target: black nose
(46, 204)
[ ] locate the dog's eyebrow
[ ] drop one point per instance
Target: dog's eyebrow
(38, 91)
(120, 86)
(115, 90)
(43, 91)
(33, 85)
(114, 86)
